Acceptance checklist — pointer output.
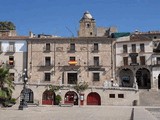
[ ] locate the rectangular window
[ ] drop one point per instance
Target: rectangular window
(72, 47)
(47, 76)
(12, 76)
(72, 61)
(125, 50)
(96, 61)
(95, 47)
(133, 48)
(158, 60)
(120, 95)
(134, 59)
(47, 61)
(11, 47)
(96, 77)
(47, 46)
(142, 47)
(125, 60)
(142, 60)
(111, 95)
(72, 58)
(11, 60)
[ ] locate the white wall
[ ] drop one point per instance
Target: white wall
(119, 51)
(20, 45)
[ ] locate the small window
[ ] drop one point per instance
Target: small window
(72, 58)
(96, 77)
(142, 47)
(142, 60)
(133, 48)
(72, 46)
(96, 61)
(47, 61)
(88, 25)
(47, 76)
(11, 60)
(125, 60)
(120, 95)
(47, 46)
(95, 47)
(90, 33)
(111, 95)
(125, 49)
(12, 76)
(155, 37)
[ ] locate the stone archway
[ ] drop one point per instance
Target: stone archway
(143, 78)
(71, 97)
(93, 98)
(48, 98)
(29, 97)
(126, 78)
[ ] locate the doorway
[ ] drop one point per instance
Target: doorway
(71, 97)
(93, 98)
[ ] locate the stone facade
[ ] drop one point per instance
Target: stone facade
(119, 71)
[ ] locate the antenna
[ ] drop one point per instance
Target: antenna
(70, 31)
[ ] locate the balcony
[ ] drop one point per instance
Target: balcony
(72, 62)
(71, 67)
(95, 67)
(45, 67)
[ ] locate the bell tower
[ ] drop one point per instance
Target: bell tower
(87, 26)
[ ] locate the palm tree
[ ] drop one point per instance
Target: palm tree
(6, 85)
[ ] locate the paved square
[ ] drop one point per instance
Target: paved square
(67, 113)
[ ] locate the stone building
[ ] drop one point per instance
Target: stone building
(94, 57)
(133, 58)
(137, 65)
(68, 61)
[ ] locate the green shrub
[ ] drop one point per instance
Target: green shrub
(13, 101)
(58, 99)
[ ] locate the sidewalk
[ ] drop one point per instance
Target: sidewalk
(78, 113)
(140, 113)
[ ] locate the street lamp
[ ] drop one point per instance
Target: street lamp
(23, 103)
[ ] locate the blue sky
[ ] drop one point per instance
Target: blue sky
(53, 16)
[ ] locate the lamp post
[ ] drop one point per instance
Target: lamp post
(23, 103)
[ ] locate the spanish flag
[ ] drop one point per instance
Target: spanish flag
(72, 62)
